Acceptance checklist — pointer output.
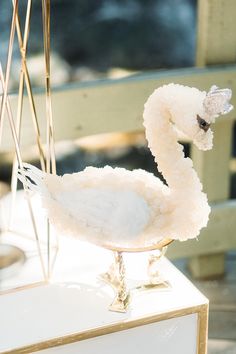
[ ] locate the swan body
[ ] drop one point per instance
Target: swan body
(120, 209)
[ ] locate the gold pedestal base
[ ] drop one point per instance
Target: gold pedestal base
(120, 305)
(115, 277)
(151, 286)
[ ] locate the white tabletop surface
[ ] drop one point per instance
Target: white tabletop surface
(75, 300)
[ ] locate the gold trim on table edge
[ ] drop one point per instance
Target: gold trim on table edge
(203, 316)
(201, 310)
(23, 287)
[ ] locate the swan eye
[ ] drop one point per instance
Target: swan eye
(203, 124)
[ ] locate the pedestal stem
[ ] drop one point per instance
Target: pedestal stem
(153, 271)
(122, 298)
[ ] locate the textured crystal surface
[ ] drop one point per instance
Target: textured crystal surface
(217, 101)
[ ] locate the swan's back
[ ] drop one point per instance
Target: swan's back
(105, 206)
(115, 214)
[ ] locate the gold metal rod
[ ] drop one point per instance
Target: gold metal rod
(50, 160)
(20, 162)
(5, 103)
(47, 82)
(5, 82)
(25, 75)
(14, 178)
(1, 121)
(20, 103)
(11, 121)
(23, 48)
(24, 72)
(35, 119)
(26, 29)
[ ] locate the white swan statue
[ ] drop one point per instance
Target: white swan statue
(133, 210)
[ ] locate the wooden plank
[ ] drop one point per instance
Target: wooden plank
(202, 268)
(213, 166)
(111, 105)
(216, 38)
(233, 165)
(219, 235)
(216, 44)
(222, 346)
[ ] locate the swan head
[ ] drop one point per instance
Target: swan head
(199, 111)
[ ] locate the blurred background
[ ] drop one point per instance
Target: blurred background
(108, 39)
(94, 40)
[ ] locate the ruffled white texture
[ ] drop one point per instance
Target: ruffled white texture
(133, 209)
(106, 206)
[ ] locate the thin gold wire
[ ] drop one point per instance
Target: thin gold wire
(6, 104)
(8, 66)
(50, 160)
(25, 75)
(20, 105)
(1, 120)
(16, 128)
(20, 162)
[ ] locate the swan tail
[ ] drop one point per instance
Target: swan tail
(33, 178)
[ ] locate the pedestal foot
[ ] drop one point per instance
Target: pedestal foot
(110, 276)
(156, 280)
(115, 277)
(120, 305)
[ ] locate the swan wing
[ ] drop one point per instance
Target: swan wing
(120, 214)
(106, 204)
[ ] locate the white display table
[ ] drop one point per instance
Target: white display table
(70, 315)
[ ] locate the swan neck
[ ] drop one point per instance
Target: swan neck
(168, 153)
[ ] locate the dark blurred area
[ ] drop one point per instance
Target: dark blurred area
(88, 38)
(104, 38)
(134, 34)
(91, 39)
